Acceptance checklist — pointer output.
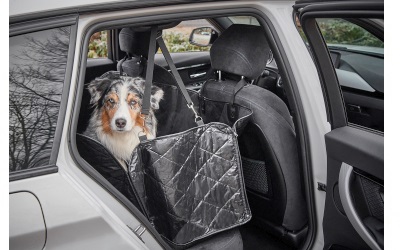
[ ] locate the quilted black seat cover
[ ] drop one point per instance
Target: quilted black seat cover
(191, 183)
(106, 164)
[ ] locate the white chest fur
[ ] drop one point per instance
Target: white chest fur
(121, 144)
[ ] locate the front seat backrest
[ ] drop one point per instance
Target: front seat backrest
(268, 143)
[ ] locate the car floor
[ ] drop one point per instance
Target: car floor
(255, 238)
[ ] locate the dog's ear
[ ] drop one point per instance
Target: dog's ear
(156, 96)
(97, 87)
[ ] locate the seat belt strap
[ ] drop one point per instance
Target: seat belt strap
(149, 72)
(181, 85)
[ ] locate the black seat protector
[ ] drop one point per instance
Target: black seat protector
(105, 163)
(191, 183)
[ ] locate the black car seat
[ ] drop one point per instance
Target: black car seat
(268, 143)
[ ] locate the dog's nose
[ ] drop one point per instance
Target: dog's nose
(120, 123)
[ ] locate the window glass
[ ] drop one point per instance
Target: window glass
(177, 38)
(358, 58)
(244, 20)
(36, 75)
(339, 32)
(98, 45)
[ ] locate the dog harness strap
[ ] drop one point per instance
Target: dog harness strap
(149, 71)
(178, 79)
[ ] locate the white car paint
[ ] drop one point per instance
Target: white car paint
(70, 197)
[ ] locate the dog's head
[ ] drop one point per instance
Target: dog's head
(119, 102)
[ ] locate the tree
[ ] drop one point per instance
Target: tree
(36, 77)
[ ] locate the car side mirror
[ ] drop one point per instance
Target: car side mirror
(203, 36)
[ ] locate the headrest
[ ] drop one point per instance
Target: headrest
(134, 42)
(241, 50)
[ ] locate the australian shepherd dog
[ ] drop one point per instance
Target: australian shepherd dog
(116, 120)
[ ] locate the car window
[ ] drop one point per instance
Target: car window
(344, 34)
(98, 45)
(177, 38)
(244, 20)
(358, 57)
(36, 75)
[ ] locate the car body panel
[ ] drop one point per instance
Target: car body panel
(73, 219)
(27, 226)
(71, 197)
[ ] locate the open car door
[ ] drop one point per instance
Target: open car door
(353, 216)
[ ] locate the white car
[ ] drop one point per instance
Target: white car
(316, 183)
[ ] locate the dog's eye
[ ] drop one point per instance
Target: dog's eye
(111, 101)
(132, 103)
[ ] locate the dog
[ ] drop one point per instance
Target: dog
(116, 120)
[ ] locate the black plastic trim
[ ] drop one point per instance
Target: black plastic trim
(41, 24)
(33, 172)
(333, 95)
(339, 5)
(348, 144)
(288, 76)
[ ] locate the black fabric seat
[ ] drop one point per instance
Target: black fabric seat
(268, 143)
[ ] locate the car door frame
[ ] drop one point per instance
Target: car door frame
(351, 150)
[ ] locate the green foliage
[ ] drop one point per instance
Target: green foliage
(179, 42)
(339, 31)
(98, 45)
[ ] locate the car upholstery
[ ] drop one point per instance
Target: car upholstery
(268, 143)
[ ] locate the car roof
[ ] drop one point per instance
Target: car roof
(22, 10)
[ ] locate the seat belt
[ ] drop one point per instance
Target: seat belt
(181, 85)
(150, 70)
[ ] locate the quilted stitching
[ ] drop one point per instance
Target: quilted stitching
(191, 183)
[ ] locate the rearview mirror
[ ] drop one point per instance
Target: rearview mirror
(203, 36)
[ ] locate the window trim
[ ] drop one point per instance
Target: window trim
(40, 25)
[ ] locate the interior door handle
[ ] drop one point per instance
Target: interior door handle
(345, 176)
(197, 75)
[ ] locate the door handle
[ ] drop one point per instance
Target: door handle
(197, 75)
(345, 176)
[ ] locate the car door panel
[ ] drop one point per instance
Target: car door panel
(364, 110)
(363, 187)
(27, 226)
(193, 67)
(353, 216)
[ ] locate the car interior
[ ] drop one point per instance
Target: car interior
(268, 146)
